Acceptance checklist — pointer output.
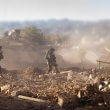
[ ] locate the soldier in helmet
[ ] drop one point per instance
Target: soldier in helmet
(51, 60)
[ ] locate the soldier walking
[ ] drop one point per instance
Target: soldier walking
(51, 60)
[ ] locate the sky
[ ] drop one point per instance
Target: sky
(21, 10)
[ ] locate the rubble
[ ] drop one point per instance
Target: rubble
(5, 88)
(68, 102)
(10, 103)
(66, 90)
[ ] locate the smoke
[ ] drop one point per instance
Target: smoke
(81, 44)
(91, 56)
(70, 55)
(22, 57)
(85, 49)
(76, 50)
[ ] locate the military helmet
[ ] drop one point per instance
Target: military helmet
(52, 49)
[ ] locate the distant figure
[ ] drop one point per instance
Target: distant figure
(51, 60)
(1, 53)
(1, 57)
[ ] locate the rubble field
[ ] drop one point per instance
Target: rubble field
(31, 89)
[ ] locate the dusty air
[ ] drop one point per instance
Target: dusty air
(54, 54)
(65, 67)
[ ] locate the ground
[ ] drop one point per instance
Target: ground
(68, 90)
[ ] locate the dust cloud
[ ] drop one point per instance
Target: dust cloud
(85, 49)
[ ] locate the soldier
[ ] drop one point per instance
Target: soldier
(1, 57)
(1, 53)
(51, 60)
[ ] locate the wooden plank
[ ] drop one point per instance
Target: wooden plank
(103, 62)
(32, 99)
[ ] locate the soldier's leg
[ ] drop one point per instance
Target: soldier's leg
(1, 72)
(56, 68)
(49, 68)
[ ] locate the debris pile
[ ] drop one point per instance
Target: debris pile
(67, 90)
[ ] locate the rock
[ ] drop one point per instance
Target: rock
(68, 102)
(5, 89)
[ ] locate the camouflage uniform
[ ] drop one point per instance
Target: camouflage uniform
(51, 60)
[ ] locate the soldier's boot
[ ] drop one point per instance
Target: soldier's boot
(56, 69)
(49, 69)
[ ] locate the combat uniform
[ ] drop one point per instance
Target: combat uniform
(51, 61)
